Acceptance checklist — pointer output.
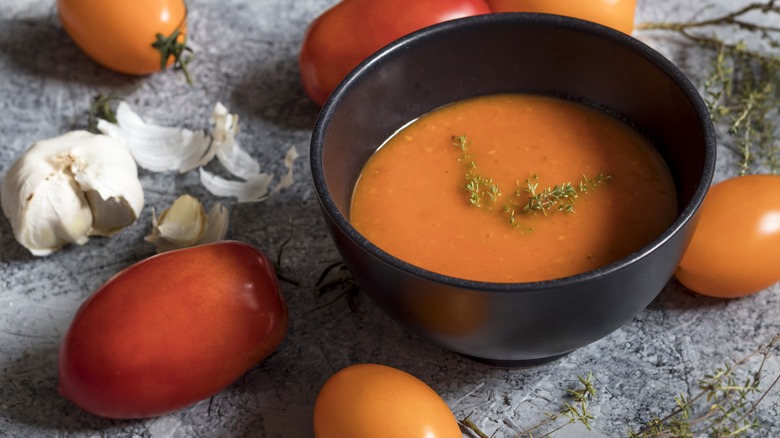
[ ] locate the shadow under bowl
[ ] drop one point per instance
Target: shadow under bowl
(512, 324)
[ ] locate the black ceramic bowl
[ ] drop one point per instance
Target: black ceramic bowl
(512, 324)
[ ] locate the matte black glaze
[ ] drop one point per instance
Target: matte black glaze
(502, 323)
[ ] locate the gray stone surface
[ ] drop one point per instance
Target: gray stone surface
(247, 59)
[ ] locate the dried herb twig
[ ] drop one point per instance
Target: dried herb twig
(342, 281)
(722, 407)
(574, 411)
(742, 88)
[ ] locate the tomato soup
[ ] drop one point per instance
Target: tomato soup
(514, 188)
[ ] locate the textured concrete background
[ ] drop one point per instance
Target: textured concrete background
(247, 59)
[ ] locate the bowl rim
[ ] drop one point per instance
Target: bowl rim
(520, 19)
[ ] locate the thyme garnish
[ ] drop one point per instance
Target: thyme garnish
(741, 90)
(480, 188)
(560, 197)
(484, 192)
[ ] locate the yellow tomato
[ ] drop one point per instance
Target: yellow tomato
(617, 14)
(378, 401)
(735, 249)
(119, 34)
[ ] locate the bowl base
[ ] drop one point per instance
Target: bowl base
(520, 363)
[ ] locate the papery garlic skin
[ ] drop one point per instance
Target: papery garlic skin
(160, 148)
(65, 189)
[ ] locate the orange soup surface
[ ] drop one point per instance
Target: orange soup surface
(469, 190)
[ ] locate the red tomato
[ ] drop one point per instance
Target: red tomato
(119, 34)
(343, 36)
(735, 249)
(173, 329)
(377, 401)
(617, 14)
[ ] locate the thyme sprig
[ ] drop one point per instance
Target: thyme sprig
(573, 411)
(484, 192)
(560, 197)
(742, 88)
(480, 188)
(724, 406)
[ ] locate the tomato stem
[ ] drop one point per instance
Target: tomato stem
(173, 46)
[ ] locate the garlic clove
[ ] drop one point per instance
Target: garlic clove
(67, 188)
(52, 216)
(216, 224)
(110, 182)
(109, 216)
(186, 224)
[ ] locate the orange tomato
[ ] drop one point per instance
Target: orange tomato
(735, 250)
(119, 34)
(378, 401)
(617, 14)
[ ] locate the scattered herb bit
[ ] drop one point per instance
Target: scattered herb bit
(278, 263)
(484, 192)
(725, 405)
(342, 281)
(742, 89)
(101, 108)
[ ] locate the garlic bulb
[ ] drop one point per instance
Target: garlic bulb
(186, 224)
(65, 189)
